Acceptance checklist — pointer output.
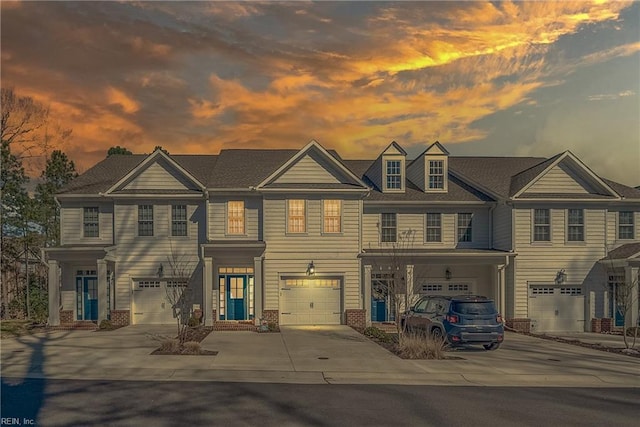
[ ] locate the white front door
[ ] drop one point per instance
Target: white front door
(556, 308)
(310, 301)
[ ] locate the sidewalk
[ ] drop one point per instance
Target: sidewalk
(603, 340)
(311, 355)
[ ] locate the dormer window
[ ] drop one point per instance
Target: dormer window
(436, 174)
(394, 175)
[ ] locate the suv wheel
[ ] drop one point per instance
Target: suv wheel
(492, 346)
(436, 334)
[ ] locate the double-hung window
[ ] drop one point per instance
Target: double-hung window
(235, 217)
(394, 175)
(332, 216)
(179, 220)
(465, 230)
(91, 222)
(434, 227)
(296, 216)
(626, 229)
(436, 174)
(575, 225)
(541, 225)
(145, 220)
(388, 228)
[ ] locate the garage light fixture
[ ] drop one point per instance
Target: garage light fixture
(160, 271)
(561, 277)
(447, 274)
(311, 269)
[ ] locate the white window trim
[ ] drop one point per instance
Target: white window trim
(84, 236)
(153, 221)
(533, 228)
(633, 225)
(442, 240)
(403, 178)
(306, 219)
(584, 228)
(171, 220)
(380, 231)
(457, 241)
(333, 233)
(445, 174)
(244, 218)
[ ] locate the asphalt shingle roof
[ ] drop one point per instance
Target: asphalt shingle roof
(624, 251)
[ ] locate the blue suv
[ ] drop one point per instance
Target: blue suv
(465, 319)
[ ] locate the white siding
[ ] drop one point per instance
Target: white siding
(540, 261)
(217, 221)
(560, 179)
(71, 223)
(159, 175)
(612, 226)
(140, 257)
(414, 219)
(309, 170)
(332, 254)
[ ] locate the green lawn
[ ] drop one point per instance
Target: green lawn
(16, 328)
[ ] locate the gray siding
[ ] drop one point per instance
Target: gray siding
(540, 261)
(414, 219)
(416, 173)
(375, 173)
(217, 221)
(332, 254)
(71, 223)
(140, 257)
(502, 228)
(159, 175)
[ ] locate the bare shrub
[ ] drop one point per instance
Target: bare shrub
(191, 347)
(170, 346)
(419, 346)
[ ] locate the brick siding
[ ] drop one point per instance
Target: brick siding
(520, 325)
(120, 317)
(271, 316)
(356, 318)
(66, 317)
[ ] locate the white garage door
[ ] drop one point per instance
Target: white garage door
(453, 288)
(556, 308)
(310, 301)
(150, 303)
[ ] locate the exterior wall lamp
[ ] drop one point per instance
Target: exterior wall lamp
(561, 277)
(160, 271)
(447, 274)
(311, 269)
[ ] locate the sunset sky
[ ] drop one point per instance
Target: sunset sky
(483, 78)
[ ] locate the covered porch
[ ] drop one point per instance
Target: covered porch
(620, 298)
(81, 284)
(393, 282)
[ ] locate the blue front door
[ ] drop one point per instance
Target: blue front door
(90, 296)
(236, 297)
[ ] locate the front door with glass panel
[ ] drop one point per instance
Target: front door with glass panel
(236, 297)
(87, 298)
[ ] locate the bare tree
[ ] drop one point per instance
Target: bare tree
(179, 289)
(625, 297)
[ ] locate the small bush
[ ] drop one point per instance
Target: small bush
(170, 346)
(191, 347)
(631, 331)
(273, 327)
(379, 334)
(419, 346)
(193, 322)
(106, 324)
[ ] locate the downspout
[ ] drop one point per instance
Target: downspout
(491, 209)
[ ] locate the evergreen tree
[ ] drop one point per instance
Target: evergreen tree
(118, 150)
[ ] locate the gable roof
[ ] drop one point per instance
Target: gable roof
(333, 159)
(625, 251)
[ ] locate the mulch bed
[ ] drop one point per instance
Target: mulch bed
(196, 334)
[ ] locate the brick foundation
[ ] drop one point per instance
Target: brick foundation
(607, 324)
(271, 316)
(214, 313)
(120, 317)
(66, 317)
(356, 318)
(520, 325)
(596, 325)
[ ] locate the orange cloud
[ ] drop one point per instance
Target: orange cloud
(118, 97)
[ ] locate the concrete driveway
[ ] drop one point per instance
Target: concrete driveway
(332, 354)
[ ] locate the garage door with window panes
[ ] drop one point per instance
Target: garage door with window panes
(315, 301)
(151, 304)
(450, 289)
(555, 308)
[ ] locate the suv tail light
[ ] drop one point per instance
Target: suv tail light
(452, 318)
(499, 319)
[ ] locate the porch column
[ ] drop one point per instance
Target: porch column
(258, 289)
(502, 283)
(409, 284)
(207, 292)
(631, 277)
(367, 294)
(103, 303)
(54, 293)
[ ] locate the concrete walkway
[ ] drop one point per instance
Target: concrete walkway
(309, 355)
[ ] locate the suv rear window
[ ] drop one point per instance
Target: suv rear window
(471, 308)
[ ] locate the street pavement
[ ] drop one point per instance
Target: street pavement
(307, 355)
